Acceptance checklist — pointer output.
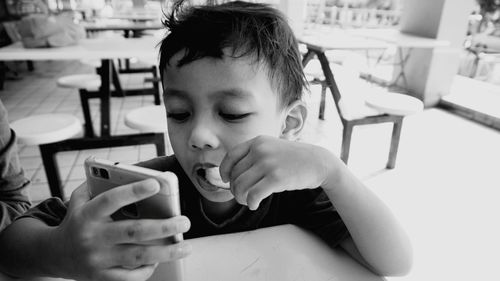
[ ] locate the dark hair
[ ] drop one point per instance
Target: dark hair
(248, 29)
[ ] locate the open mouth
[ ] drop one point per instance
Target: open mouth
(210, 180)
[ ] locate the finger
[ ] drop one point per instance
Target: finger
(123, 274)
(136, 255)
(241, 185)
(130, 231)
(259, 192)
(106, 203)
(241, 166)
(231, 158)
(79, 196)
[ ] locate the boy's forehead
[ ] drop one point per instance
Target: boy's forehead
(230, 67)
(227, 78)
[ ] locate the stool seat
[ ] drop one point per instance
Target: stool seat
(147, 119)
(46, 128)
(80, 81)
(394, 103)
(91, 62)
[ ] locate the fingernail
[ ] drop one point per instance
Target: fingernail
(185, 225)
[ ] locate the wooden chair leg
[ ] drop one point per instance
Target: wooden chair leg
(116, 80)
(159, 142)
(51, 170)
(393, 151)
(346, 142)
(30, 65)
(84, 100)
(322, 102)
(156, 85)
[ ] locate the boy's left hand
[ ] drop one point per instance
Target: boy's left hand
(265, 165)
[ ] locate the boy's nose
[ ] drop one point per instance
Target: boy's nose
(202, 137)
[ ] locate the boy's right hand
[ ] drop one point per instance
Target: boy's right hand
(94, 247)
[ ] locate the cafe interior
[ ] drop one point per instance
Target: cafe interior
(405, 92)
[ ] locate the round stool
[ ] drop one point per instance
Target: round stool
(47, 131)
(95, 63)
(85, 83)
(46, 128)
(394, 103)
(148, 119)
(152, 119)
(80, 81)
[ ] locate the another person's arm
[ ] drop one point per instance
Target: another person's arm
(87, 244)
(14, 199)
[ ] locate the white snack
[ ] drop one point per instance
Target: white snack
(213, 177)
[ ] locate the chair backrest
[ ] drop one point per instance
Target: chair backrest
(352, 90)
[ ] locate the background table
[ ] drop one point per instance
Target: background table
(401, 41)
(280, 253)
(105, 49)
(136, 28)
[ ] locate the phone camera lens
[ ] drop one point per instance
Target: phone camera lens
(104, 173)
(95, 171)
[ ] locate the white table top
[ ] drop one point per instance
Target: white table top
(94, 48)
(117, 24)
(276, 253)
(398, 38)
(338, 39)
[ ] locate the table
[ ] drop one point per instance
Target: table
(318, 42)
(136, 28)
(402, 41)
(102, 48)
(277, 253)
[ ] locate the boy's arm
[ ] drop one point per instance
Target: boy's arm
(265, 165)
(377, 238)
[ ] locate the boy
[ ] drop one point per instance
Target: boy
(232, 82)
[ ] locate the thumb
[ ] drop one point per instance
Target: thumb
(80, 196)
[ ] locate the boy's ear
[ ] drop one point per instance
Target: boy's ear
(295, 118)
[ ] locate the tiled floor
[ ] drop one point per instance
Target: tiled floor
(444, 189)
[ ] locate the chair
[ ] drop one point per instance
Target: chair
(82, 82)
(88, 86)
(44, 130)
(117, 83)
(55, 133)
(149, 119)
(364, 104)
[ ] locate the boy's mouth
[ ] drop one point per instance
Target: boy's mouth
(209, 178)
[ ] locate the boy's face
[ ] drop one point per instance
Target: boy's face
(213, 105)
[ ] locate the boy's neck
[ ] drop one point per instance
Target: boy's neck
(219, 211)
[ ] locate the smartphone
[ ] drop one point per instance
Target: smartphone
(102, 175)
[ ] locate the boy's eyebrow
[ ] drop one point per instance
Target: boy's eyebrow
(232, 92)
(170, 92)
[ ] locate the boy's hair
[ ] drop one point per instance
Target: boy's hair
(247, 29)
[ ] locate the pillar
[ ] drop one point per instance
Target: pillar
(430, 72)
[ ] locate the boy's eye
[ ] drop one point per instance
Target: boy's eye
(178, 116)
(233, 117)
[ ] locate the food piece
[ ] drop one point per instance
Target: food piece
(213, 177)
